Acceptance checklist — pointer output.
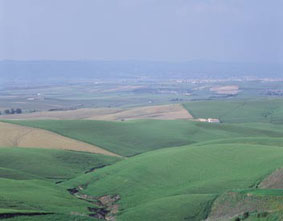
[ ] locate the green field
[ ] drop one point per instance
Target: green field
(239, 111)
(138, 136)
(169, 184)
(173, 169)
(29, 181)
(190, 177)
(50, 164)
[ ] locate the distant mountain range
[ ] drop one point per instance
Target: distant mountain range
(76, 70)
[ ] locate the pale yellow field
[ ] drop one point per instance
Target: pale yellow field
(84, 113)
(229, 89)
(167, 112)
(19, 136)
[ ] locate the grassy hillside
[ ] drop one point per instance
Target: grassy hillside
(52, 217)
(28, 180)
(180, 181)
(133, 137)
(188, 165)
(37, 196)
(12, 135)
(50, 164)
(239, 111)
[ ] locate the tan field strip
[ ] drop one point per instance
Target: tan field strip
(230, 89)
(166, 112)
(19, 136)
(80, 114)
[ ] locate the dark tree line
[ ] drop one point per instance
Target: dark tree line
(12, 111)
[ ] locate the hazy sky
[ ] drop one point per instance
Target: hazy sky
(171, 30)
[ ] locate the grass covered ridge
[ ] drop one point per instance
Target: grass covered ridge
(29, 182)
(178, 169)
(239, 111)
(189, 176)
(138, 136)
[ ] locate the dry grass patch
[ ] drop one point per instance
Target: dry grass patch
(229, 89)
(166, 112)
(19, 136)
(80, 114)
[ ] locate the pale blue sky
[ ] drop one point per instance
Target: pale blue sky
(170, 30)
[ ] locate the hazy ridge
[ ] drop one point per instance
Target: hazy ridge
(42, 71)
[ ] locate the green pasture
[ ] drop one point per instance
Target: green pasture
(137, 136)
(156, 181)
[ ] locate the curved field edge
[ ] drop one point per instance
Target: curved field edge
(135, 137)
(29, 183)
(264, 201)
(266, 110)
(179, 207)
(50, 164)
(149, 179)
(54, 217)
(241, 204)
(166, 112)
(12, 135)
(38, 195)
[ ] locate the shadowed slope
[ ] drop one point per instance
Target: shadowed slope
(191, 176)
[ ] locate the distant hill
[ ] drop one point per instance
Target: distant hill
(43, 71)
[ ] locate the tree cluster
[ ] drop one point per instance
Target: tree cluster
(12, 111)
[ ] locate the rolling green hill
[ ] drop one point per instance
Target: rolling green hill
(178, 169)
(50, 164)
(29, 183)
(239, 111)
(138, 136)
(180, 182)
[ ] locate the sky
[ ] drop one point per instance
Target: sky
(163, 30)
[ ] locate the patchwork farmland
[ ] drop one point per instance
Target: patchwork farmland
(141, 110)
(169, 170)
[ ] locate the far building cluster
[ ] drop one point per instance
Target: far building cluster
(209, 120)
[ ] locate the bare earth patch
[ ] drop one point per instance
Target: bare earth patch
(229, 89)
(106, 207)
(19, 136)
(232, 204)
(273, 181)
(166, 112)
